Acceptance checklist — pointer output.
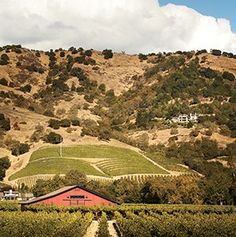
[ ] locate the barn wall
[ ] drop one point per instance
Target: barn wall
(64, 199)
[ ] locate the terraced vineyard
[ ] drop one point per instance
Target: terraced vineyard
(103, 160)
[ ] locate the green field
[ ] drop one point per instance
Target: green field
(89, 159)
(170, 164)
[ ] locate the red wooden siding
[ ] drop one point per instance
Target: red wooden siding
(74, 197)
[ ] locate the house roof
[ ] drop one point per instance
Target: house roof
(63, 190)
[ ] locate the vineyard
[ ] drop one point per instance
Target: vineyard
(103, 161)
(129, 220)
(28, 224)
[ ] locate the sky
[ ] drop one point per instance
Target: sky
(133, 26)
(217, 8)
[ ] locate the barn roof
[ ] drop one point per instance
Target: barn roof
(63, 190)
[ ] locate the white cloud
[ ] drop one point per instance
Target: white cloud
(123, 25)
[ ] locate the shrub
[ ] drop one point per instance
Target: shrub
(74, 51)
(4, 165)
(4, 59)
(75, 122)
(102, 88)
(3, 82)
(194, 133)
(26, 88)
(37, 54)
(79, 73)
(208, 73)
(107, 53)
(80, 59)
(89, 98)
(20, 149)
(17, 50)
(54, 138)
(88, 53)
(142, 57)
(228, 55)
(208, 132)
(37, 134)
(53, 123)
(209, 148)
(62, 54)
(104, 134)
(18, 64)
(228, 76)
(48, 113)
(201, 52)
(216, 52)
(60, 85)
(4, 123)
(224, 130)
(65, 123)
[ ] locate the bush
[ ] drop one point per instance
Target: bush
(228, 55)
(107, 53)
(208, 73)
(74, 51)
(208, 132)
(65, 123)
(216, 52)
(20, 149)
(209, 148)
(142, 57)
(4, 165)
(104, 134)
(26, 88)
(102, 88)
(53, 123)
(48, 113)
(60, 85)
(4, 123)
(88, 53)
(79, 73)
(194, 133)
(62, 54)
(201, 52)
(75, 122)
(228, 76)
(37, 54)
(4, 59)
(17, 50)
(54, 138)
(3, 82)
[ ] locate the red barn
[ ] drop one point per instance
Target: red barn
(72, 196)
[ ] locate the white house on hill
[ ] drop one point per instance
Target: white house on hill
(185, 118)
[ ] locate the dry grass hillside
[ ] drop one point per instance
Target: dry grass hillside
(105, 95)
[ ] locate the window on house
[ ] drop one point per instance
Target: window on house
(77, 197)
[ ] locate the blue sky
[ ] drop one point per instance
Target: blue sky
(216, 8)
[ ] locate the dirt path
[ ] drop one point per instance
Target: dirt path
(170, 172)
(92, 229)
(111, 229)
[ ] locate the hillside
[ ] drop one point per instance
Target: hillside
(83, 97)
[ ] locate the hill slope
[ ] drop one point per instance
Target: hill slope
(131, 98)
